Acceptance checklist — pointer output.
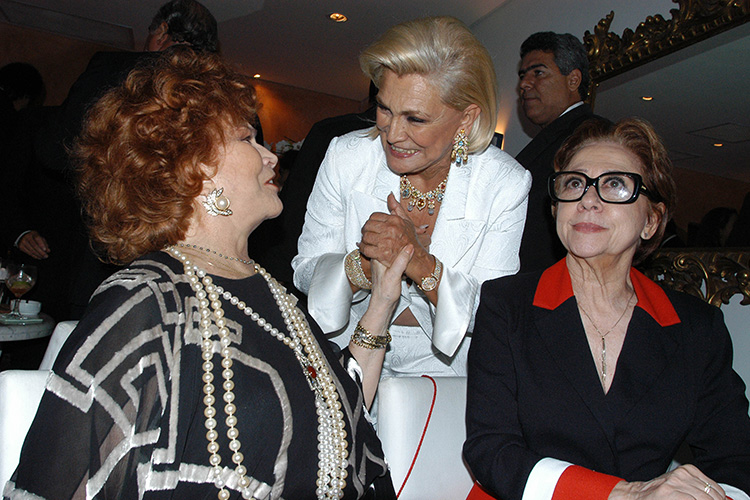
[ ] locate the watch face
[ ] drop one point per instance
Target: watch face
(429, 283)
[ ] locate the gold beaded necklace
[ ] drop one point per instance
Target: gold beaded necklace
(420, 199)
(332, 445)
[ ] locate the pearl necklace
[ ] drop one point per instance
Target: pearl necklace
(332, 445)
(427, 199)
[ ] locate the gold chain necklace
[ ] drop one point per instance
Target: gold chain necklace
(420, 199)
(332, 444)
(603, 375)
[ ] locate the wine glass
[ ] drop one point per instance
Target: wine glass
(3, 275)
(19, 281)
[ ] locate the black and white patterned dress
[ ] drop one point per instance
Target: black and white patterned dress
(122, 415)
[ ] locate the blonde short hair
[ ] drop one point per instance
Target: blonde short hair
(445, 51)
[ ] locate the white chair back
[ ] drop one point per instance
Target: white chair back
(737, 319)
(404, 404)
(20, 393)
(59, 336)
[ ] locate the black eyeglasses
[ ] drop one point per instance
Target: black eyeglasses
(612, 187)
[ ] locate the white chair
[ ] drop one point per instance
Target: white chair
(20, 393)
(404, 406)
(59, 336)
(737, 319)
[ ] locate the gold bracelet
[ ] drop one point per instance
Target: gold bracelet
(353, 268)
(365, 339)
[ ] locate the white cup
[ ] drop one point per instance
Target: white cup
(29, 307)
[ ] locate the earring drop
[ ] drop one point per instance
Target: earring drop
(460, 153)
(216, 203)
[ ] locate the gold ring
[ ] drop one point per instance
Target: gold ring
(707, 488)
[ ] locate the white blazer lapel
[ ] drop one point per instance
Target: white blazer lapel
(454, 234)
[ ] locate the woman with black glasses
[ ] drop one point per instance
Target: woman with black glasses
(584, 380)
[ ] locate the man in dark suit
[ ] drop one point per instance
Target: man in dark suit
(178, 22)
(553, 81)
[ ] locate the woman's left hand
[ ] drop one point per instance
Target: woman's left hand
(386, 281)
(385, 235)
(686, 481)
(386, 292)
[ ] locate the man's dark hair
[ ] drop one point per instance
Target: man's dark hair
(188, 22)
(568, 51)
(19, 80)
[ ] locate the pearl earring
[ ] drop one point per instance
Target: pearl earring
(216, 203)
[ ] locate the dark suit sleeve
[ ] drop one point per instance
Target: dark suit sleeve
(495, 449)
(720, 436)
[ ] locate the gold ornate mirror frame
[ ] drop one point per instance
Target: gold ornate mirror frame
(711, 274)
(693, 21)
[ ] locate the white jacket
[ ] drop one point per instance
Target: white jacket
(477, 235)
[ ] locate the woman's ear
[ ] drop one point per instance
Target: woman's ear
(654, 220)
(470, 114)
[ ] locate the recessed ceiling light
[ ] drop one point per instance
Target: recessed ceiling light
(647, 98)
(256, 75)
(718, 144)
(336, 17)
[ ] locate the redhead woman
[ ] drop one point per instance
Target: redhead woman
(193, 374)
(585, 379)
(425, 176)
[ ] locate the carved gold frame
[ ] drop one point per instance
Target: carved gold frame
(694, 20)
(713, 275)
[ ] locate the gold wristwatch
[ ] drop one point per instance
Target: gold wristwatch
(430, 282)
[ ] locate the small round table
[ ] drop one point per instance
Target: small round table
(28, 331)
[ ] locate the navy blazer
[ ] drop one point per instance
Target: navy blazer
(534, 390)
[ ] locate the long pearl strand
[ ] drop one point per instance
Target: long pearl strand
(332, 445)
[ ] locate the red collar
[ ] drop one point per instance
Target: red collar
(555, 287)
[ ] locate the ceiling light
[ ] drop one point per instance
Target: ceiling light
(718, 144)
(336, 17)
(647, 98)
(256, 75)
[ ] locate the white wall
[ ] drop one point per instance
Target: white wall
(503, 31)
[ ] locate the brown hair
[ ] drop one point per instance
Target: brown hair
(446, 52)
(639, 137)
(143, 153)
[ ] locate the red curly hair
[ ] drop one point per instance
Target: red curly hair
(143, 153)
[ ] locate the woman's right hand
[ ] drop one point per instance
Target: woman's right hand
(686, 481)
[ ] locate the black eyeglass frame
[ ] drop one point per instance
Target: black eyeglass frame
(639, 187)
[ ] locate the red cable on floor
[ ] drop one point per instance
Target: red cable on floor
(424, 431)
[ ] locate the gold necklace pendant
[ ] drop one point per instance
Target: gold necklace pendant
(421, 200)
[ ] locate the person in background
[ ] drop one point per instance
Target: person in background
(714, 228)
(21, 87)
(176, 23)
(553, 83)
(425, 176)
(193, 374)
(585, 379)
(37, 206)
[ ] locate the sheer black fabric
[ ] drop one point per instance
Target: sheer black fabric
(122, 416)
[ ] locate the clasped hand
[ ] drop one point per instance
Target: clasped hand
(384, 236)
